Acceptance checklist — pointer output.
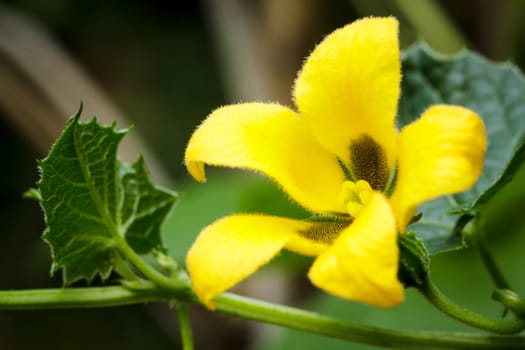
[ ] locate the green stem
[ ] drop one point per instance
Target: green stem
(328, 326)
(493, 269)
(68, 298)
(442, 303)
(178, 283)
(478, 242)
(124, 269)
(95, 297)
(511, 300)
(185, 326)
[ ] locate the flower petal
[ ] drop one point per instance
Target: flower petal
(349, 87)
(363, 262)
(271, 139)
(234, 247)
(440, 153)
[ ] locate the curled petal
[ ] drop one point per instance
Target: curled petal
(273, 140)
(440, 153)
(232, 248)
(363, 262)
(349, 88)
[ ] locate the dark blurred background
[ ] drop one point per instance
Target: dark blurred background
(162, 66)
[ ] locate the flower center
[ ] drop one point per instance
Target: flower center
(369, 162)
(355, 195)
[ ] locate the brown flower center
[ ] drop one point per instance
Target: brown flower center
(369, 162)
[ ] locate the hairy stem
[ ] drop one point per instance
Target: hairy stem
(94, 297)
(177, 283)
(71, 298)
(444, 304)
(185, 326)
(511, 300)
(478, 242)
(124, 269)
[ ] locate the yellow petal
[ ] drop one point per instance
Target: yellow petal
(232, 248)
(349, 87)
(273, 140)
(363, 262)
(440, 153)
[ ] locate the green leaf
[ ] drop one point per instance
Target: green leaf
(143, 208)
(92, 201)
(494, 91)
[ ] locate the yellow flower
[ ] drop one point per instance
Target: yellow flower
(336, 157)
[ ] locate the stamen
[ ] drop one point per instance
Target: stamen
(355, 195)
(354, 208)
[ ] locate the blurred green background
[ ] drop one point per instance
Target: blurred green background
(163, 66)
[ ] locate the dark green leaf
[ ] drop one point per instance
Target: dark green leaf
(144, 208)
(497, 93)
(91, 201)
